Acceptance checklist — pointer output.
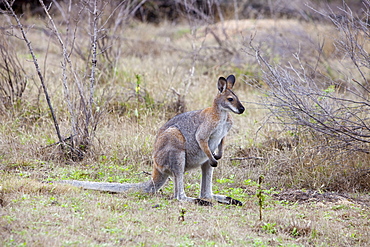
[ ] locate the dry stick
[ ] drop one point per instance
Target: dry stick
(56, 125)
(76, 79)
(94, 43)
(64, 71)
(248, 158)
(94, 62)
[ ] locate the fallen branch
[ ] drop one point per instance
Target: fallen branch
(247, 158)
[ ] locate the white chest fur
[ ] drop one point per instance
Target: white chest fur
(219, 132)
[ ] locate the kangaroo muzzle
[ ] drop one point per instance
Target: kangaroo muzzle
(240, 109)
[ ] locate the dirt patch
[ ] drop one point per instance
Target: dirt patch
(306, 196)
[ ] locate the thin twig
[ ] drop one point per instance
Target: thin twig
(37, 67)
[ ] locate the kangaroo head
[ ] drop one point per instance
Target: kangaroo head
(226, 99)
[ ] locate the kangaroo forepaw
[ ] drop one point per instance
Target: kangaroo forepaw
(213, 163)
(230, 201)
(217, 156)
(201, 202)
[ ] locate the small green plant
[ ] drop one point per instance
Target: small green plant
(269, 228)
(182, 215)
(225, 180)
(314, 233)
(259, 243)
(137, 94)
(261, 197)
(295, 232)
(250, 182)
(339, 207)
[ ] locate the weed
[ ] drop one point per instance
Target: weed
(269, 228)
(225, 180)
(182, 215)
(261, 197)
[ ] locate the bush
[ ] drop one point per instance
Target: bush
(13, 77)
(328, 111)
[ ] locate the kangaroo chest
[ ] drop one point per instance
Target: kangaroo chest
(219, 132)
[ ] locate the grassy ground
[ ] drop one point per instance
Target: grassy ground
(297, 210)
(41, 214)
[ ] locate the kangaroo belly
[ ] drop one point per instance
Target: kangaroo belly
(193, 162)
(194, 156)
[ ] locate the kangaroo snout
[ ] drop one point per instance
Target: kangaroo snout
(241, 109)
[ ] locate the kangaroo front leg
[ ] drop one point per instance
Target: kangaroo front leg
(219, 150)
(206, 183)
(202, 139)
(206, 187)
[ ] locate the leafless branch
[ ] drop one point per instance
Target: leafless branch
(37, 67)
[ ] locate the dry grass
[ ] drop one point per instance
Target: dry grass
(34, 212)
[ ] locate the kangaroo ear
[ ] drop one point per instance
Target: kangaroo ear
(222, 84)
(230, 81)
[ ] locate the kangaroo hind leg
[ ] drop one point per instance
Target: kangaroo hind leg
(157, 181)
(206, 187)
(170, 158)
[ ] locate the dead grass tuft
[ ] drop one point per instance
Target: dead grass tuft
(297, 161)
(31, 186)
(3, 202)
(298, 230)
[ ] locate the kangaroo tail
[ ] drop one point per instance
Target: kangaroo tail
(147, 187)
(153, 185)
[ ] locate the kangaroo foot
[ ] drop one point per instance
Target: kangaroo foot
(230, 201)
(226, 200)
(201, 202)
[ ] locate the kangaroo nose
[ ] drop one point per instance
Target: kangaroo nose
(241, 109)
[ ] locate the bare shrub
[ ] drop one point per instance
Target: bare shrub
(332, 110)
(99, 21)
(13, 77)
(87, 37)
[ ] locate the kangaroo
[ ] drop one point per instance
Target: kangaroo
(187, 141)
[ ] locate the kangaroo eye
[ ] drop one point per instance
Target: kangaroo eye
(230, 99)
